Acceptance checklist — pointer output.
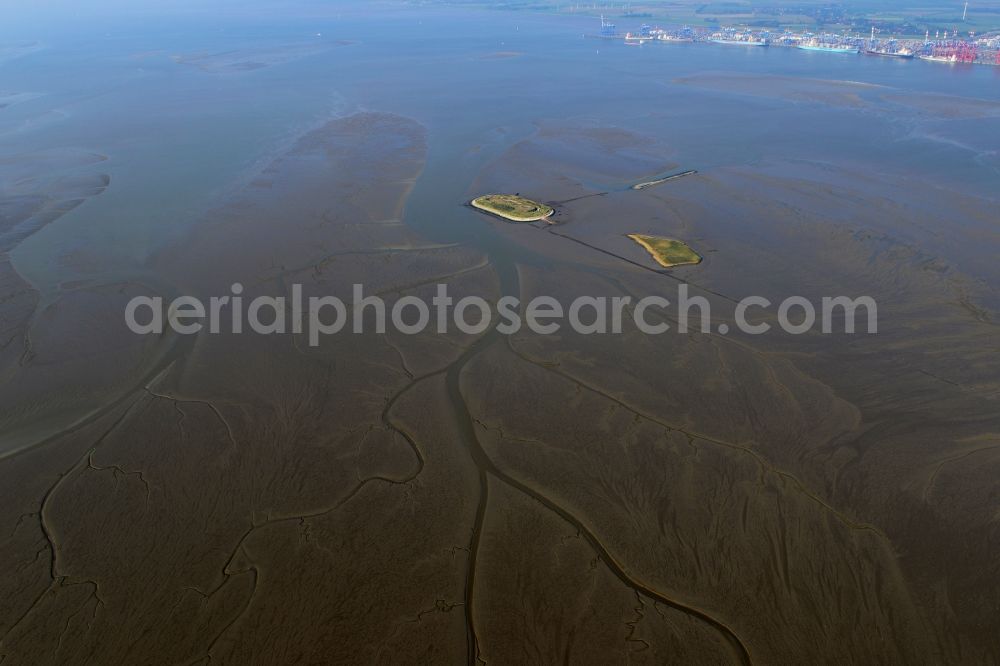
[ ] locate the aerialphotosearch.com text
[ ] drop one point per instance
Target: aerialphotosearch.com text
(320, 316)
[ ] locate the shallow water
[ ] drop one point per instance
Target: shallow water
(178, 135)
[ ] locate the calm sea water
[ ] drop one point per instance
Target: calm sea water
(180, 135)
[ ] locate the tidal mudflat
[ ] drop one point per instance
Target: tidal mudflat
(698, 498)
(786, 430)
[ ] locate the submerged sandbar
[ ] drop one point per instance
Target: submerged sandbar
(658, 181)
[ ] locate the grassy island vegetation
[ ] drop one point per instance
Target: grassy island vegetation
(512, 207)
(666, 251)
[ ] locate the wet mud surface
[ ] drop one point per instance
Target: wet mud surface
(457, 498)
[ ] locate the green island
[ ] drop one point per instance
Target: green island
(666, 251)
(512, 207)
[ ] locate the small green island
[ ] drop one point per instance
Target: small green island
(667, 252)
(512, 207)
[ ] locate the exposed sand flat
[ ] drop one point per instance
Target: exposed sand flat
(794, 440)
(696, 498)
(529, 553)
(352, 424)
(39, 189)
